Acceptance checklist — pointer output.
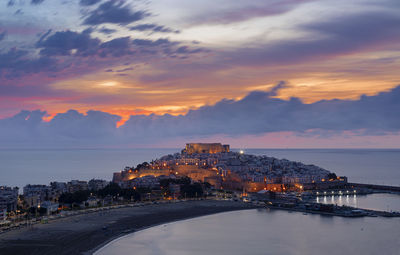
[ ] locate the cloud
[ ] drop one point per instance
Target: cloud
(28, 129)
(152, 43)
(117, 47)
(44, 35)
(115, 12)
(21, 128)
(63, 43)
(124, 70)
(169, 48)
(27, 92)
(3, 35)
(11, 3)
(107, 31)
(15, 62)
(75, 125)
(257, 113)
(37, 1)
(260, 113)
(88, 2)
(153, 28)
(68, 43)
(68, 54)
(333, 41)
(18, 12)
(226, 11)
(332, 38)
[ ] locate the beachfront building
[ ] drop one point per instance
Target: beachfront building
(32, 201)
(96, 184)
(92, 201)
(3, 214)
(59, 187)
(8, 198)
(175, 190)
(36, 194)
(50, 207)
(76, 185)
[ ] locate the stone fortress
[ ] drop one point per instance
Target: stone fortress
(210, 148)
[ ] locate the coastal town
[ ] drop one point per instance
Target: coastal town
(223, 169)
(200, 171)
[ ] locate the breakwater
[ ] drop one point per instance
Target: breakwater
(376, 187)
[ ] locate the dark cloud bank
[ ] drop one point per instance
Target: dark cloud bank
(63, 50)
(116, 12)
(153, 28)
(37, 1)
(257, 113)
(88, 2)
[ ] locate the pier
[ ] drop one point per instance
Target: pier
(331, 210)
(376, 187)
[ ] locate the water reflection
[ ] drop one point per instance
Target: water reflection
(384, 202)
(255, 232)
(338, 200)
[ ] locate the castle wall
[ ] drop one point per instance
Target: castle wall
(194, 172)
(206, 148)
(126, 176)
(257, 186)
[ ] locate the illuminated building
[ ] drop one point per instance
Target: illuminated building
(211, 148)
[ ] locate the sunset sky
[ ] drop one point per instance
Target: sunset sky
(277, 73)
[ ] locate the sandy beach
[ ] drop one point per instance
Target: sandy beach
(83, 234)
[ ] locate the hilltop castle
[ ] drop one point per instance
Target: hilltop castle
(210, 148)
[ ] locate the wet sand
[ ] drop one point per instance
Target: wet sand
(83, 234)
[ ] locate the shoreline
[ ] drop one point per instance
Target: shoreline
(87, 233)
(116, 238)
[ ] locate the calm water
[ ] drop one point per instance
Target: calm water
(20, 167)
(264, 232)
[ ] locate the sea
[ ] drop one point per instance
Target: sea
(258, 231)
(19, 167)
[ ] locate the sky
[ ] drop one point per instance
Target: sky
(146, 73)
